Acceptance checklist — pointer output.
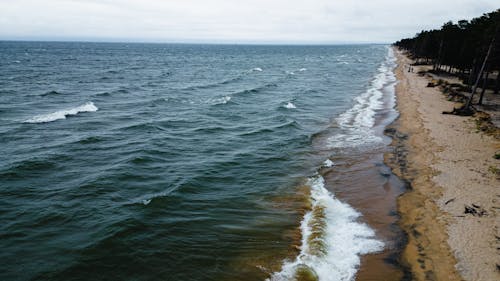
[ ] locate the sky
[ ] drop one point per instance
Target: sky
(231, 21)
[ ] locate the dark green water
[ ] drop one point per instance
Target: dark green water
(166, 162)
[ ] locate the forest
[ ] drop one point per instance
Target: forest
(469, 49)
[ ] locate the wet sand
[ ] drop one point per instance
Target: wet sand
(360, 178)
(448, 165)
(368, 185)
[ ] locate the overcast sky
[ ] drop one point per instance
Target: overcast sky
(231, 21)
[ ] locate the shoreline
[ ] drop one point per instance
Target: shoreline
(445, 163)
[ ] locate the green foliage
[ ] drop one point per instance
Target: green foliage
(462, 45)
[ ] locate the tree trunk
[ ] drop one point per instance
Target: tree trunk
(497, 84)
(438, 60)
(469, 101)
(485, 83)
(471, 73)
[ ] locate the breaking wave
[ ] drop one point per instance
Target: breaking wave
(332, 240)
(222, 100)
(88, 107)
(255, 69)
(357, 123)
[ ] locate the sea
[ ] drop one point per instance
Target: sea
(131, 161)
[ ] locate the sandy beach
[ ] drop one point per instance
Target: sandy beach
(450, 211)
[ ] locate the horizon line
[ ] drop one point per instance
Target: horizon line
(187, 42)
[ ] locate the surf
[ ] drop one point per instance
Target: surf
(62, 114)
(332, 240)
(356, 123)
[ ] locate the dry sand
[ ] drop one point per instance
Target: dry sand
(448, 165)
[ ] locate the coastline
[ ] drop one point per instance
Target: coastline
(445, 162)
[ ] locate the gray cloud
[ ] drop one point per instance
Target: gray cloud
(238, 21)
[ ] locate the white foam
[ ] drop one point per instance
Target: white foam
(88, 107)
(357, 122)
(345, 239)
(328, 163)
(256, 69)
(302, 69)
(289, 105)
(222, 100)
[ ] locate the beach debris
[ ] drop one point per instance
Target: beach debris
(393, 133)
(390, 131)
(484, 123)
(435, 83)
(449, 201)
(385, 171)
(475, 210)
(461, 111)
(497, 155)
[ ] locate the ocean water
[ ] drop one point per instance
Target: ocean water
(184, 162)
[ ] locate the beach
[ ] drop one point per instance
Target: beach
(450, 211)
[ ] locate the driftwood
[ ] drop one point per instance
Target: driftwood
(475, 210)
(462, 111)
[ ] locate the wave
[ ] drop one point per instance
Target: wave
(287, 125)
(223, 82)
(332, 240)
(291, 73)
(50, 93)
(257, 89)
(258, 69)
(357, 122)
(90, 140)
(148, 198)
(289, 105)
(222, 100)
(212, 85)
(103, 94)
(88, 107)
(328, 163)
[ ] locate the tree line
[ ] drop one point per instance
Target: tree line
(468, 49)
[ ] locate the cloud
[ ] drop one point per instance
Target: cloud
(242, 21)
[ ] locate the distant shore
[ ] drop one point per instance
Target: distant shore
(450, 212)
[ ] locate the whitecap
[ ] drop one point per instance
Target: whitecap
(222, 100)
(147, 199)
(302, 69)
(343, 239)
(289, 105)
(87, 107)
(256, 69)
(328, 163)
